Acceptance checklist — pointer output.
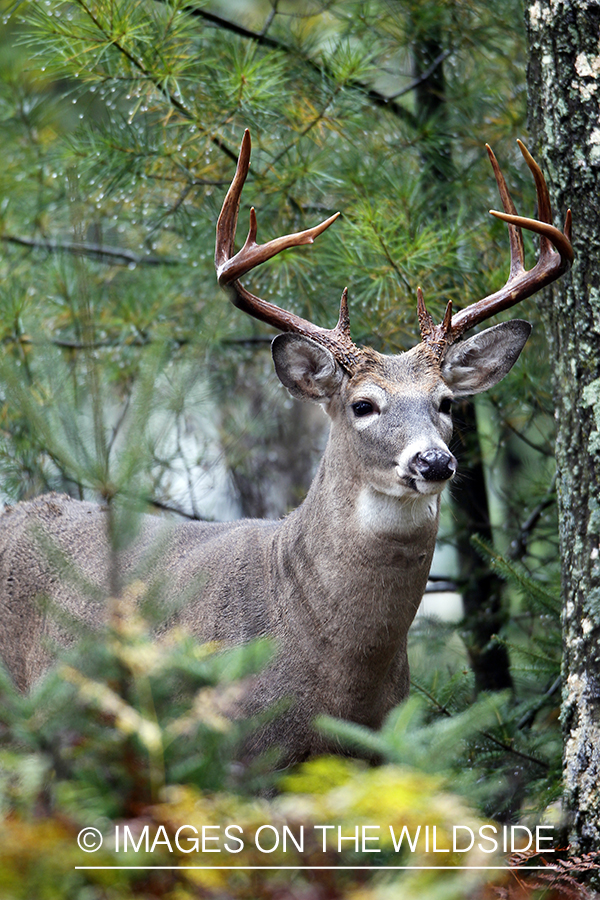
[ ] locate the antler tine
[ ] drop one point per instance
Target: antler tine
(515, 235)
(549, 235)
(542, 194)
(556, 255)
(230, 268)
(435, 336)
(227, 221)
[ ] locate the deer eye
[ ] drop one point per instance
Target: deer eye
(445, 405)
(363, 408)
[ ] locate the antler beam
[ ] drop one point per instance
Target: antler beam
(556, 255)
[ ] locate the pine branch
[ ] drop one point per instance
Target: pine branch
(514, 572)
(549, 452)
(527, 720)
(423, 77)
(101, 252)
(486, 734)
(168, 507)
(262, 38)
(518, 547)
(175, 101)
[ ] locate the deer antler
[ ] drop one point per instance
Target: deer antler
(230, 268)
(556, 255)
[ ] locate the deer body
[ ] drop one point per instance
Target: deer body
(341, 646)
(337, 583)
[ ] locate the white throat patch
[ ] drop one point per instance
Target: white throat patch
(382, 514)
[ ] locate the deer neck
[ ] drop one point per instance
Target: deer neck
(341, 503)
(357, 565)
(372, 549)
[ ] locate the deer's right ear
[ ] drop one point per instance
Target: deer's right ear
(307, 369)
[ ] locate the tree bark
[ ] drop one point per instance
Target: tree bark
(564, 93)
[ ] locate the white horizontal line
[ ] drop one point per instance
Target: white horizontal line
(329, 868)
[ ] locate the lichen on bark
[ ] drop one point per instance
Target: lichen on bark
(564, 97)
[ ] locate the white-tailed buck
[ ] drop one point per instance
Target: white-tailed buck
(338, 581)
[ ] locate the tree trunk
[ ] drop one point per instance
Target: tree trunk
(481, 588)
(564, 92)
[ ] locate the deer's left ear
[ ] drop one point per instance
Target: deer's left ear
(483, 360)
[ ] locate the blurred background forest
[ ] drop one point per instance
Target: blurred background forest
(127, 377)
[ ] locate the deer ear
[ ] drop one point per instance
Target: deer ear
(483, 360)
(308, 370)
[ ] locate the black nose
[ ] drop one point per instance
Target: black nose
(434, 465)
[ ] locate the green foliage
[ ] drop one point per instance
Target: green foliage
(129, 736)
(122, 123)
(123, 714)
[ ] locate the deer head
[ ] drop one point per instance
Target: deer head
(397, 407)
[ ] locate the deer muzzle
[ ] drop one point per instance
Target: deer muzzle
(434, 465)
